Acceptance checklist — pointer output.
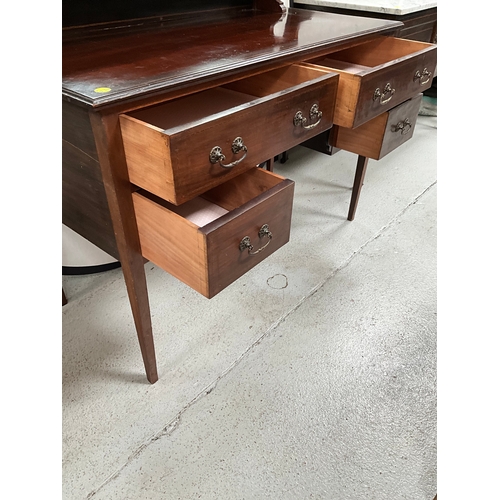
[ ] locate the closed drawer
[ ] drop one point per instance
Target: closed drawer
(181, 148)
(380, 135)
(378, 75)
(214, 239)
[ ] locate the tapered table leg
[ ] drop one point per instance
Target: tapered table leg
(119, 194)
(358, 184)
(270, 165)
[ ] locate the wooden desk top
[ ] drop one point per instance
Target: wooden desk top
(143, 59)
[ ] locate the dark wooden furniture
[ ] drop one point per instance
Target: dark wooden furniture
(420, 25)
(169, 108)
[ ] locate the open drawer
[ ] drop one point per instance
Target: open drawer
(376, 76)
(183, 147)
(382, 134)
(214, 239)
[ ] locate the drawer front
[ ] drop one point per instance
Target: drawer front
(388, 87)
(378, 75)
(192, 158)
(382, 134)
(258, 206)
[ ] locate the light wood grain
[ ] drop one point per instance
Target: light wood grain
(277, 80)
(242, 189)
(171, 241)
(347, 96)
(147, 150)
(381, 51)
(365, 140)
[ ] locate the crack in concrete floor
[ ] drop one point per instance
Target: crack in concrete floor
(174, 424)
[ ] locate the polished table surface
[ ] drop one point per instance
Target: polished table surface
(137, 61)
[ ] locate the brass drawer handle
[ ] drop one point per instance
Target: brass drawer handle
(263, 232)
(388, 91)
(425, 74)
(314, 114)
(404, 126)
(216, 155)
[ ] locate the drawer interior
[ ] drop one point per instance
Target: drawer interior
(178, 114)
(222, 199)
(277, 80)
(367, 56)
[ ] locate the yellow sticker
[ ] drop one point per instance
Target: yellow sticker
(102, 90)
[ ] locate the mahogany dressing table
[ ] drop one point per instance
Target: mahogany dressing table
(170, 107)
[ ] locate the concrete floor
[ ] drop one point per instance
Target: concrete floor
(312, 376)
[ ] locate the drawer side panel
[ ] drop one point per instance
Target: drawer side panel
(147, 151)
(349, 83)
(171, 242)
(365, 140)
(347, 99)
